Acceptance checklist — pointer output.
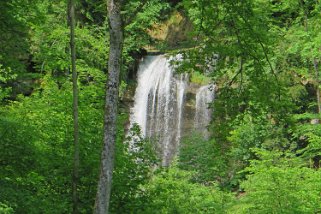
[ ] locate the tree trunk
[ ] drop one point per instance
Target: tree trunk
(75, 177)
(317, 83)
(111, 107)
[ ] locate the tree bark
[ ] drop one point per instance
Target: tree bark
(75, 177)
(317, 84)
(111, 107)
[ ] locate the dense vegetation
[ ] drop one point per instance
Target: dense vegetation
(264, 152)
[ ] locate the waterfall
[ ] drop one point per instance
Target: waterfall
(158, 107)
(159, 104)
(204, 96)
(181, 87)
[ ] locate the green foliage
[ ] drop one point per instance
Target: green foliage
(51, 54)
(204, 157)
(139, 16)
(278, 183)
(4, 209)
(134, 158)
(308, 136)
(199, 78)
(14, 39)
(36, 131)
(5, 76)
(263, 56)
(41, 152)
(171, 191)
(255, 132)
(36, 152)
(233, 29)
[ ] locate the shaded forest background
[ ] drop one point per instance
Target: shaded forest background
(264, 152)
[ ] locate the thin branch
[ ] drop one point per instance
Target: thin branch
(265, 54)
(240, 71)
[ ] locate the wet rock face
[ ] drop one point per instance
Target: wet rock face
(137, 55)
(197, 114)
(172, 33)
(189, 113)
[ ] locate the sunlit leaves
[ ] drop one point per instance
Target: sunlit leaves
(278, 183)
(171, 191)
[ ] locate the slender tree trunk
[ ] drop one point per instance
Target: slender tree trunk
(317, 83)
(111, 107)
(75, 177)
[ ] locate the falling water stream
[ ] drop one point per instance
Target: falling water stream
(159, 105)
(204, 96)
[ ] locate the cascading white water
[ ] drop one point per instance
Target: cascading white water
(204, 96)
(181, 87)
(158, 107)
